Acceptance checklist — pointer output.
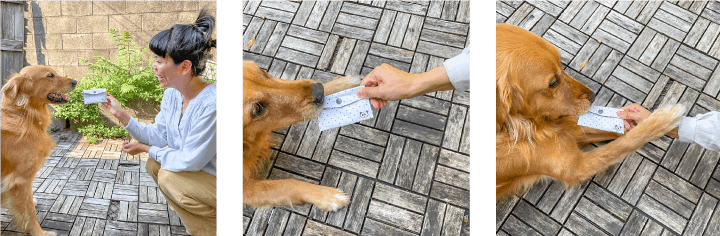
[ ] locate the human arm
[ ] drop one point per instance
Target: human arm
(386, 83)
(154, 134)
(458, 70)
(198, 146)
(135, 148)
(634, 114)
(703, 129)
(113, 105)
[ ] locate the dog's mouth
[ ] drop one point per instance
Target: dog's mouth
(580, 111)
(58, 98)
(312, 111)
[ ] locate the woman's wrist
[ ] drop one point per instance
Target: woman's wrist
(124, 118)
(431, 81)
(674, 133)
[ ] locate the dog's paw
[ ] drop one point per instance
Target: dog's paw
(662, 121)
(331, 199)
(341, 83)
(45, 233)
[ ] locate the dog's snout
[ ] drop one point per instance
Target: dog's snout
(318, 93)
(591, 96)
(74, 83)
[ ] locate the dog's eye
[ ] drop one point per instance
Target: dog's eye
(554, 82)
(258, 109)
(51, 75)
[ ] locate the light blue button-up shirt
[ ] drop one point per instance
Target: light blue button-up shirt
(703, 129)
(458, 70)
(191, 142)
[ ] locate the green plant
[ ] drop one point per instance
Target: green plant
(126, 76)
(210, 72)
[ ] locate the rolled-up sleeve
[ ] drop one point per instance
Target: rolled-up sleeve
(703, 129)
(458, 70)
(154, 134)
(199, 146)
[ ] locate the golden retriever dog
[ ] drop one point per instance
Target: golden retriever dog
(270, 103)
(537, 107)
(25, 141)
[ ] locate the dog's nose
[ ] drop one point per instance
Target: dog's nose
(318, 92)
(592, 96)
(74, 83)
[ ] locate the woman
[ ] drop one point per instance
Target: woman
(185, 170)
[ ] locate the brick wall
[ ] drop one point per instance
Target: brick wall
(59, 33)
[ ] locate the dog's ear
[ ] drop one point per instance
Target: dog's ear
(509, 106)
(17, 88)
(503, 97)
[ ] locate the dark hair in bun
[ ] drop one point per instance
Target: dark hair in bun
(187, 42)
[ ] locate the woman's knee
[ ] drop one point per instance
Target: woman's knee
(187, 197)
(197, 207)
(152, 167)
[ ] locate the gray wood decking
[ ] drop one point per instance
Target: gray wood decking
(96, 189)
(407, 169)
(636, 52)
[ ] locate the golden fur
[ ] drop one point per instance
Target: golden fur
(536, 129)
(25, 142)
(282, 103)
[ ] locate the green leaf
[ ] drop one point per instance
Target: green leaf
(126, 76)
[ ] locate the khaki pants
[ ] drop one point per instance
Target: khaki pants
(191, 194)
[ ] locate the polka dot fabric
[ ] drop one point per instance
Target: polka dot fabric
(344, 108)
(602, 118)
(94, 96)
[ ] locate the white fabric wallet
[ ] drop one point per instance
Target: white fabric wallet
(94, 96)
(344, 108)
(603, 118)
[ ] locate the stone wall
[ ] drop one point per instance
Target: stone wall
(59, 33)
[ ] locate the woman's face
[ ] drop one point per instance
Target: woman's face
(167, 72)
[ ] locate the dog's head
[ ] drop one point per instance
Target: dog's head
(530, 81)
(37, 85)
(270, 103)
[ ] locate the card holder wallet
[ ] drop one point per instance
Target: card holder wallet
(603, 118)
(94, 96)
(344, 108)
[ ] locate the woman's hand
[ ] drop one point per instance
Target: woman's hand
(386, 83)
(633, 114)
(113, 105)
(135, 147)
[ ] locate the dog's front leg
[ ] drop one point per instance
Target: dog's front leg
(588, 135)
(579, 166)
(268, 193)
(341, 84)
(23, 210)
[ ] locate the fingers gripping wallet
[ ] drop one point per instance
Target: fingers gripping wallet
(94, 96)
(603, 118)
(344, 108)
